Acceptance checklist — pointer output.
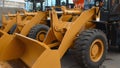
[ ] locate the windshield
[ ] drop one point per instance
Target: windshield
(88, 4)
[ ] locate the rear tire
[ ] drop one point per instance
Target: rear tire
(38, 30)
(90, 48)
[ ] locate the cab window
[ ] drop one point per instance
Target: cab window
(88, 4)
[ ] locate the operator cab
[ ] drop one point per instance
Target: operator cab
(110, 11)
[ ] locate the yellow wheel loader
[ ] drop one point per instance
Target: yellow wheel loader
(86, 34)
(35, 28)
(26, 23)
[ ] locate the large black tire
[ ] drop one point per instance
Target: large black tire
(36, 29)
(82, 48)
(12, 30)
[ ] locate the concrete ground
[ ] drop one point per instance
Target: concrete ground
(112, 61)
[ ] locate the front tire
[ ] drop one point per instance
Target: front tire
(90, 48)
(38, 32)
(13, 28)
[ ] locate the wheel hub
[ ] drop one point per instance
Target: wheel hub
(41, 36)
(96, 50)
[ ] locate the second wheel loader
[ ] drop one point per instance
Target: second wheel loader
(86, 33)
(25, 22)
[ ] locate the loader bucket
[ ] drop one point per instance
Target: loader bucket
(33, 53)
(6, 50)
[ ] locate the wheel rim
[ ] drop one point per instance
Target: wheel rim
(41, 35)
(96, 50)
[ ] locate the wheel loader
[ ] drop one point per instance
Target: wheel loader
(87, 34)
(26, 23)
(36, 25)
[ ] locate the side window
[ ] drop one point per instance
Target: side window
(115, 7)
(114, 2)
(105, 5)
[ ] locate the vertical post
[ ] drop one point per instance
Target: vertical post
(34, 5)
(67, 2)
(41, 5)
(3, 3)
(57, 2)
(47, 2)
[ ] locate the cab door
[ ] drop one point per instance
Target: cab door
(105, 11)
